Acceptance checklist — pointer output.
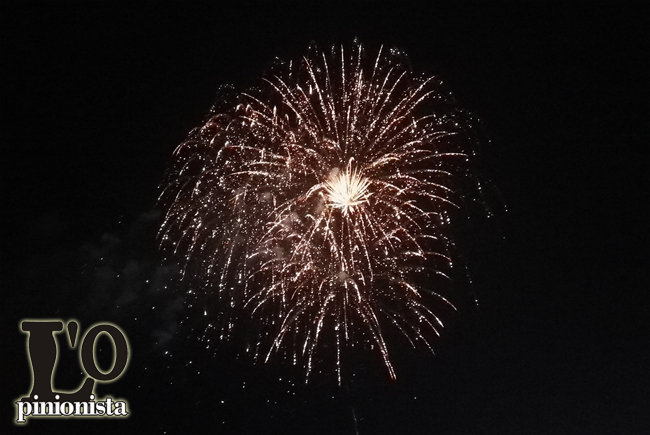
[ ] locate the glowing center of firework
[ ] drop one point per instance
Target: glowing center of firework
(346, 189)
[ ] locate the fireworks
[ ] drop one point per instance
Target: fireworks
(316, 209)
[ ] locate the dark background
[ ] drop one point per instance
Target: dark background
(96, 96)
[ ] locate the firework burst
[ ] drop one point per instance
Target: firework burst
(318, 206)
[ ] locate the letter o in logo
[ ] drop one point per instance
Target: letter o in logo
(88, 352)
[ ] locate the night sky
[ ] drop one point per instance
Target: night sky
(95, 98)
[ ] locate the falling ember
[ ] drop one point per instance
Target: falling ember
(317, 208)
